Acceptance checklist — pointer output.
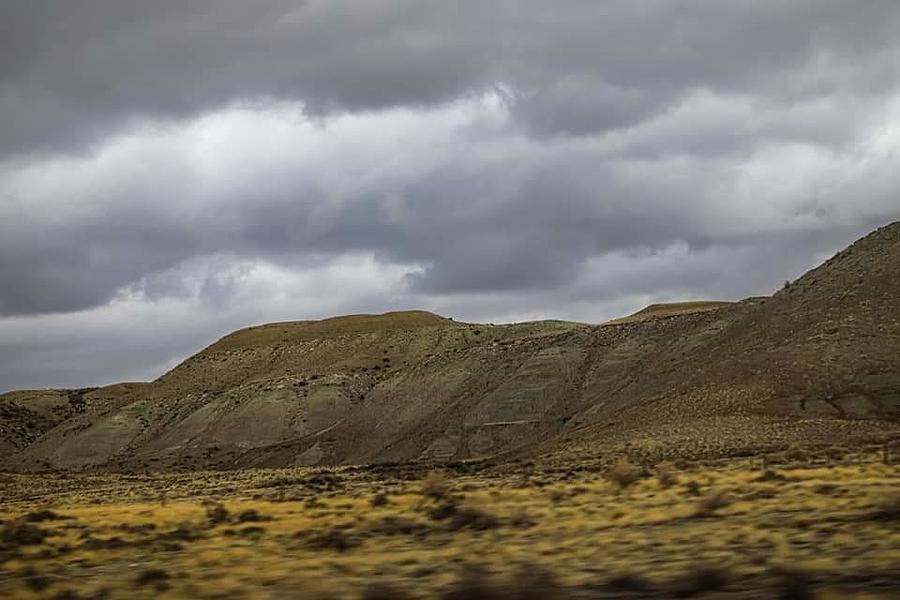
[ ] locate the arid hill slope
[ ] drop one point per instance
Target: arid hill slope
(816, 363)
(672, 309)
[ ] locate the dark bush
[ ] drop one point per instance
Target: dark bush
(472, 518)
(20, 533)
(43, 515)
(252, 516)
(796, 453)
(383, 591)
(628, 582)
(794, 585)
(217, 514)
(770, 475)
(34, 580)
(666, 474)
(527, 583)
(155, 577)
(472, 584)
(889, 509)
(399, 526)
(333, 539)
(710, 505)
(698, 581)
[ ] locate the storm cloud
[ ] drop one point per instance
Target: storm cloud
(170, 171)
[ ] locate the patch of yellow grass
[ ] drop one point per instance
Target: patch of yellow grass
(580, 528)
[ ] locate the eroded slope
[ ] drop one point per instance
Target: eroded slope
(814, 363)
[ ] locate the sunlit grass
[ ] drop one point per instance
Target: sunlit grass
(284, 536)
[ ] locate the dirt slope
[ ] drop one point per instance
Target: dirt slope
(671, 309)
(816, 363)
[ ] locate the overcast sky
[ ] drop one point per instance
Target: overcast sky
(171, 170)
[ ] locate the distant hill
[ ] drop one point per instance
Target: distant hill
(814, 364)
(671, 309)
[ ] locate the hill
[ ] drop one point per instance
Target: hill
(813, 364)
(670, 309)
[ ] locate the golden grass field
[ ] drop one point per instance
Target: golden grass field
(725, 529)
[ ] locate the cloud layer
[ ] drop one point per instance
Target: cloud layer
(170, 171)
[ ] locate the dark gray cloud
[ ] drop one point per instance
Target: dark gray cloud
(72, 72)
(178, 169)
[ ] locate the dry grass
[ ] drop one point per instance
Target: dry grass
(220, 535)
(349, 324)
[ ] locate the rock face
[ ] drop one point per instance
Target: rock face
(816, 362)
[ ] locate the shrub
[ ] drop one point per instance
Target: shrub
(629, 583)
(442, 511)
(889, 453)
(383, 591)
(43, 515)
(624, 473)
(333, 539)
(698, 580)
(557, 496)
(835, 452)
(527, 583)
(532, 582)
(278, 482)
(217, 514)
(399, 526)
(770, 475)
(794, 585)
(184, 532)
(34, 581)
(252, 516)
(379, 499)
(710, 505)
(436, 486)
(889, 509)
(155, 577)
(323, 481)
(21, 533)
(472, 584)
(521, 519)
(472, 518)
(827, 489)
(796, 453)
(665, 474)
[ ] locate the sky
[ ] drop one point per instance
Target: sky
(171, 171)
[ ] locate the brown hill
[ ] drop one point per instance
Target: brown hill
(816, 363)
(670, 309)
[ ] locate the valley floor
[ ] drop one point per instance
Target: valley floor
(798, 527)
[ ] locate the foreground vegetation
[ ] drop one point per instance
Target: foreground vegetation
(792, 527)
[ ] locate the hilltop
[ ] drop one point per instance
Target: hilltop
(670, 309)
(813, 364)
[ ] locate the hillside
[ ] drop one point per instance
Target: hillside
(813, 364)
(670, 309)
